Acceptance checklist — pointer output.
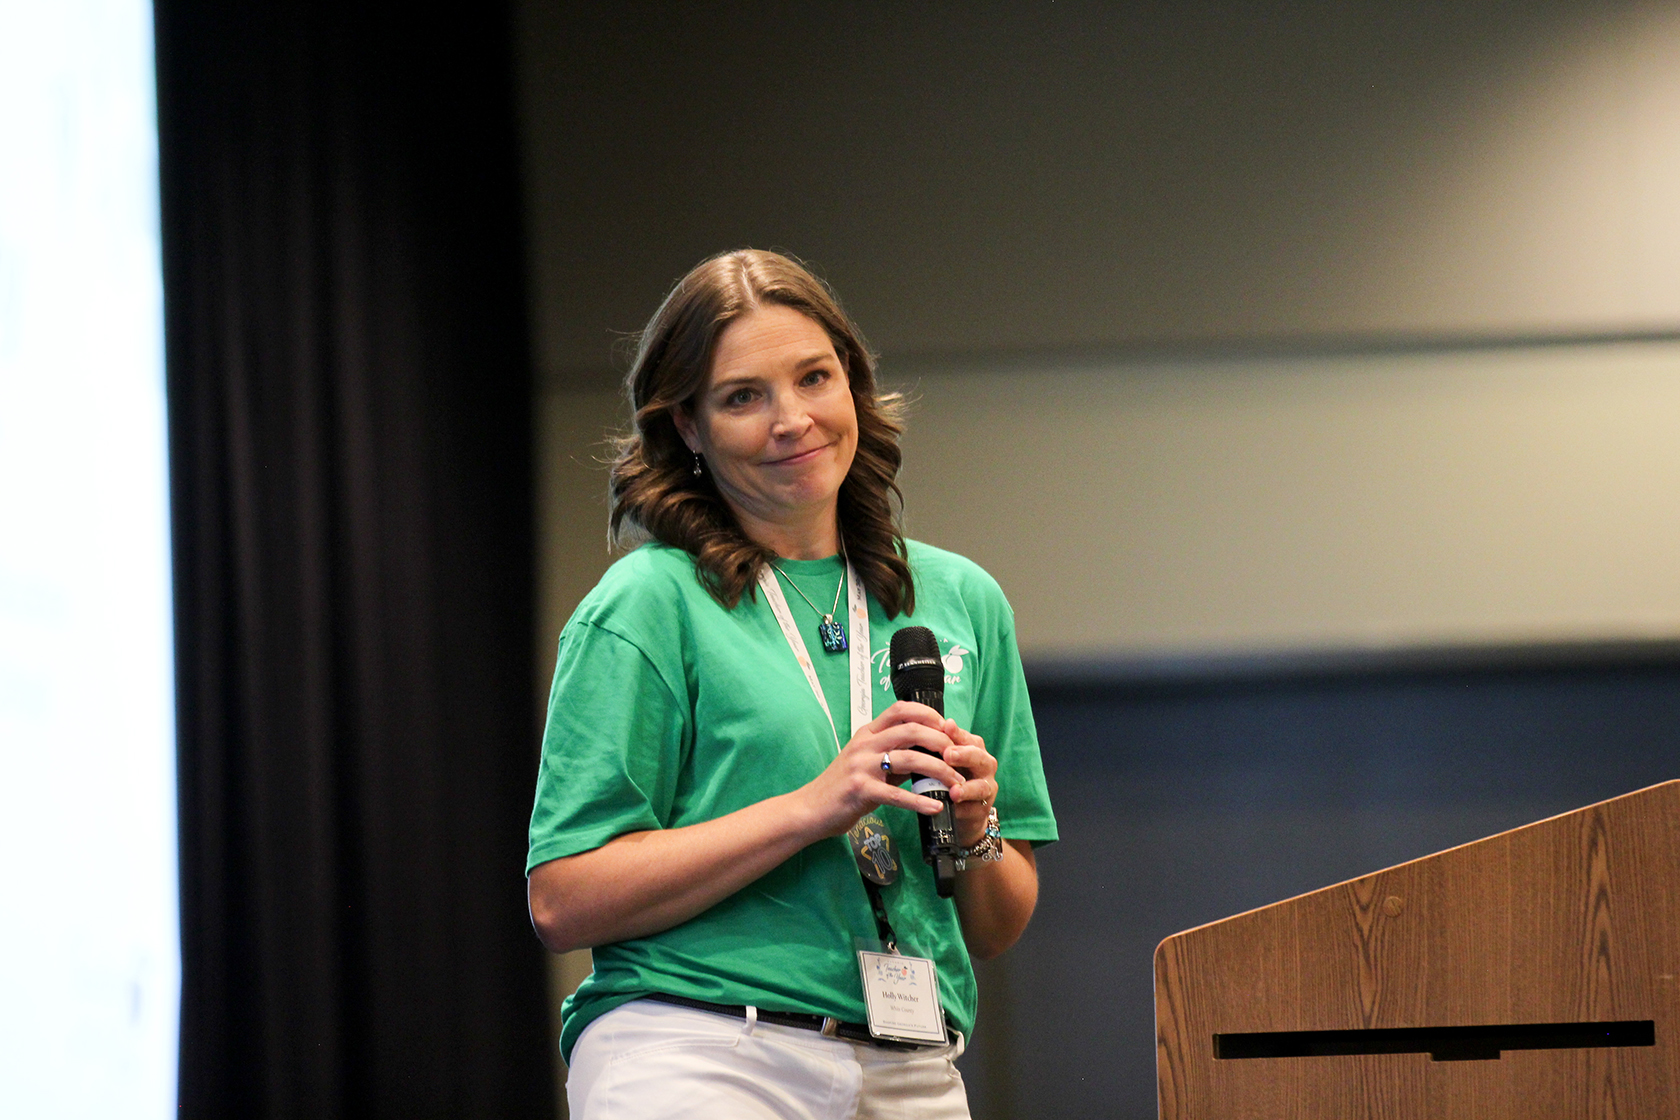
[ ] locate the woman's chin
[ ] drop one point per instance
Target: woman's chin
(803, 492)
(791, 506)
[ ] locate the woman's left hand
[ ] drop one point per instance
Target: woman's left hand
(995, 898)
(972, 800)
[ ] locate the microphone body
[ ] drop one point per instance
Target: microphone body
(918, 674)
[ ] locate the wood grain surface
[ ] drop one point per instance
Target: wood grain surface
(1571, 919)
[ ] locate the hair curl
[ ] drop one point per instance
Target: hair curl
(652, 486)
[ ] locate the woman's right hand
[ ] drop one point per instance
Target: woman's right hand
(643, 882)
(855, 782)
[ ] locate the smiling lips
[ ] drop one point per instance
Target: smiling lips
(798, 459)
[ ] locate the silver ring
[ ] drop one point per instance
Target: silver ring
(886, 763)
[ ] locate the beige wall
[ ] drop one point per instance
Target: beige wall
(1508, 494)
(573, 433)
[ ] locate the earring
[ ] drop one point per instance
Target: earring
(699, 469)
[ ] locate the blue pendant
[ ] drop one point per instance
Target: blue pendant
(833, 634)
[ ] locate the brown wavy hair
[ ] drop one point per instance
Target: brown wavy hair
(653, 488)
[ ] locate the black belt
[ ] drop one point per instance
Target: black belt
(822, 1024)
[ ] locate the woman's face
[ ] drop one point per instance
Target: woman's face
(775, 422)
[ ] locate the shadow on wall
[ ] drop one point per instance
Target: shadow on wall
(999, 177)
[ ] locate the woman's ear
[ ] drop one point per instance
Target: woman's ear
(683, 418)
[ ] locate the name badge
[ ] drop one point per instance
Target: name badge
(903, 997)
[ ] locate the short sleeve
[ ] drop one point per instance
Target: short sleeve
(1003, 718)
(612, 746)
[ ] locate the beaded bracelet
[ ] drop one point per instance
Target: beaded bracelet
(990, 847)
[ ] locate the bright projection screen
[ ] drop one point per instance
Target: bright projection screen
(89, 952)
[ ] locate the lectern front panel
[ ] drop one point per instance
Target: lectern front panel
(1528, 975)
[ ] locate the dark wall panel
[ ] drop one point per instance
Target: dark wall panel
(976, 177)
(1182, 804)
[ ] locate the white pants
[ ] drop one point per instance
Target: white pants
(653, 1061)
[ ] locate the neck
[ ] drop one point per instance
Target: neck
(811, 540)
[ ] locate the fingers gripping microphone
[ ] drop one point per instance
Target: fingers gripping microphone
(918, 674)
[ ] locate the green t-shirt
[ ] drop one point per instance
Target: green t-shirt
(668, 710)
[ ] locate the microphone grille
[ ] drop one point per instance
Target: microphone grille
(914, 661)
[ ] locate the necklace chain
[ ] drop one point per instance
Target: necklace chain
(841, 586)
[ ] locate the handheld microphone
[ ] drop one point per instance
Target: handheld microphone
(918, 674)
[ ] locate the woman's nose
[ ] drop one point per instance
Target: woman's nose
(789, 418)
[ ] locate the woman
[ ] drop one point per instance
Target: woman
(708, 818)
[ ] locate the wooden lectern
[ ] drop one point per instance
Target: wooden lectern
(1527, 976)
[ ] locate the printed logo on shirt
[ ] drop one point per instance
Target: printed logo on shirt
(952, 658)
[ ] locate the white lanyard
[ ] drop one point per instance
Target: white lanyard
(857, 641)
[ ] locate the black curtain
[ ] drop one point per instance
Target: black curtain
(350, 440)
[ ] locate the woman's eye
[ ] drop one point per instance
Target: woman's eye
(816, 377)
(738, 398)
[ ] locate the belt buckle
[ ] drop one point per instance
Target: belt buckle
(830, 1027)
